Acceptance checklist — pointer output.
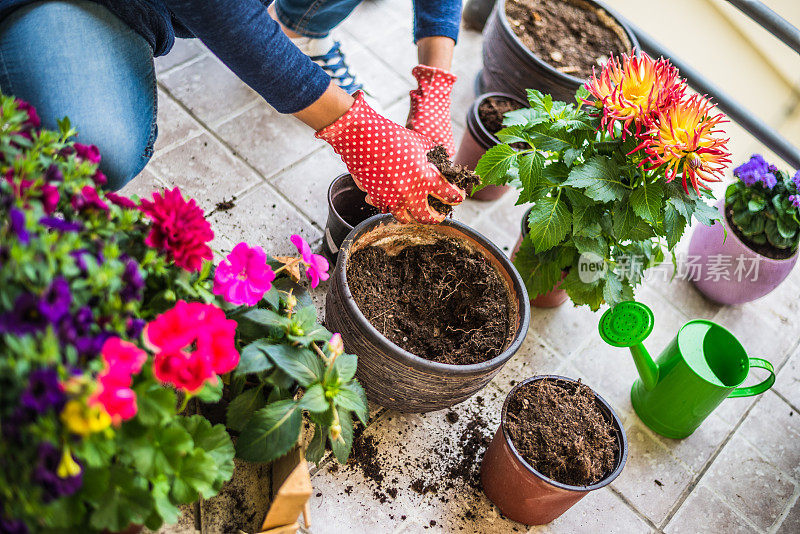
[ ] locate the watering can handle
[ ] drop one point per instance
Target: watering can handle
(758, 388)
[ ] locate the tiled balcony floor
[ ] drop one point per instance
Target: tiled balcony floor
(740, 472)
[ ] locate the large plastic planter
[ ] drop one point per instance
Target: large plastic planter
(392, 376)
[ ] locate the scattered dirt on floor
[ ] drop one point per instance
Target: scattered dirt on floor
(455, 174)
(225, 205)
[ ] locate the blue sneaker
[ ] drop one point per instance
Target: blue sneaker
(328, 54)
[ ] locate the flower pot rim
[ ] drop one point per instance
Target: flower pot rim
(331, 207)
(483, 133)
(501, 7)
(723, 204)
(623, 442)
(419, 361)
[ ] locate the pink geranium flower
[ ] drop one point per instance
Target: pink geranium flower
(316, 265)
(185, 370)
(115, 395)
(123, 356)
(243, 276)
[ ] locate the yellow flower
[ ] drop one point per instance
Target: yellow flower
(84, 420)
(68, 467)
(685, 140)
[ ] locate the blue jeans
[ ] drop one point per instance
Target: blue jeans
(75, 58)
(313, 18)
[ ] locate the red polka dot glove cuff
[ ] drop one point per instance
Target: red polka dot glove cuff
(430, 106)
(390, 164)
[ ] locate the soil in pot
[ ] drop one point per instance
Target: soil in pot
(569, 35)
(765, 249)
(561, 433)
(455, 174)
(492, 109)
(353, 208)
(439, 301)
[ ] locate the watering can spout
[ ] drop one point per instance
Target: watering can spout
(647, 368)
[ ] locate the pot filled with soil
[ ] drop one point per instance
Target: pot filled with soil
(558, 440)
(484, 120)
(549, 45)
(347, 207)
(556, 296)
(432, 311)
(734, 269)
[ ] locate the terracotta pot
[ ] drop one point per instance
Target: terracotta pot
(392, 376)
(707, 242)
(553, 298)
(346, 205)
(522, 493)
(510, 67)
(476, 141)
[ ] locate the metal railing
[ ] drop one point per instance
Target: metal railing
(777, 26)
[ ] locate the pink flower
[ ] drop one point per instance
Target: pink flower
(50, 198)
(115, 395)
(316, 265)
(123, 356)
(243, 276)
(33, 117)
(99, 178)
(121, 201)
(336, 345)
(185, 370)
(88, 153)
(88, 199)
(179, 228)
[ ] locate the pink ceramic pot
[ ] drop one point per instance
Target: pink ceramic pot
(731, 287)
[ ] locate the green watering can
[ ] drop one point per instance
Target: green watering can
(700, 368)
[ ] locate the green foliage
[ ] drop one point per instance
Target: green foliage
(284, 349)
(591, 197)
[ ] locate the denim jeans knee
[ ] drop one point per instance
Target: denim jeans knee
(313, 18)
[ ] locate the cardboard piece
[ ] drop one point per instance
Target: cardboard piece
(290, 477)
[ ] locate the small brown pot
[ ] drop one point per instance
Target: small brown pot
(553, 298)
(476, 141)
(522, 493)
(347, 206)
(392, 376)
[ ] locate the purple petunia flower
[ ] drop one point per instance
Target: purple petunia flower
(55, 223)
(133, 282)
(17, 219)
(53, 174)
(56, 300)
(43, 392)
(24, 318)
(47, 477)
(796, 180)
(795, 200)
(12, 526)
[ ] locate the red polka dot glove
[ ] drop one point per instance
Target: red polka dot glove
(390, 164)
(430, 106)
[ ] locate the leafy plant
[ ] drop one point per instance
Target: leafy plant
(765, 204)
(600, 175)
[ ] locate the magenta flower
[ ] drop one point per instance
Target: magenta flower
(243, 276)
(316, 265)
(88, 153)
(88, 199)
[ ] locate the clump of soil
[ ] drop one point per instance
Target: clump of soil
(559, 430)
(765, 249)
(441, 301)
(492, 109)
(570, 35)
(225, 205)
(455, 174)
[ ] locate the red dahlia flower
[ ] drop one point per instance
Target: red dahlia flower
(179, 228)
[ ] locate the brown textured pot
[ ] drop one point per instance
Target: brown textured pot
(392, 376)
(553, 298)
(522, 493)
(476, 141)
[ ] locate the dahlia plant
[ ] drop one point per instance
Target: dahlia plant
(612, 179)
(92, 435)
(764, 204)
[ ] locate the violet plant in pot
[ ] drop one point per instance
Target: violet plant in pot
(613, 179)
(762, 210)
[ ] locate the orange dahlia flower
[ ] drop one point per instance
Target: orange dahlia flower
(684, 138)
(634, 90)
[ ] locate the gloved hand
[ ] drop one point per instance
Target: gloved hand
(390, 164)
(430, 106)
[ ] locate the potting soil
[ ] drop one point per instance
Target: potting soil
(455, 174)
(492, 109)
(568, 36)
(561, 433)
(441, 301)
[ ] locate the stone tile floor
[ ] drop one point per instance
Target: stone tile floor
(739, 472)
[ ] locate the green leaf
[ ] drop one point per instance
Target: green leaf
(513, 134)
(253, 358)
(646, 201)
(774, 236)
(156, 404)
(593, 245)
(539, 276)
(530, 174)
(167, 512)
(216, 442)
(314, 399)
(271, 432)
(524, 117)
(674, 225)
(341, 446)
(706, 214)
(267, 318)
(299, 363)
(352, 397)
(549, 221)
(160, 450)
(599, 177)
(537, 99)
(571, 154)
(211, 392)
(756, 204)
(494, 165)
(194, 477)
(786, 231)
(679, 199)
(242, 408)
(555, 173)
(273, 298)
(345, 367)
(550, 138)
(612, 289)
(581, 293)
(628, 225)
(126, 500)
(316, 448)
(95, 450)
